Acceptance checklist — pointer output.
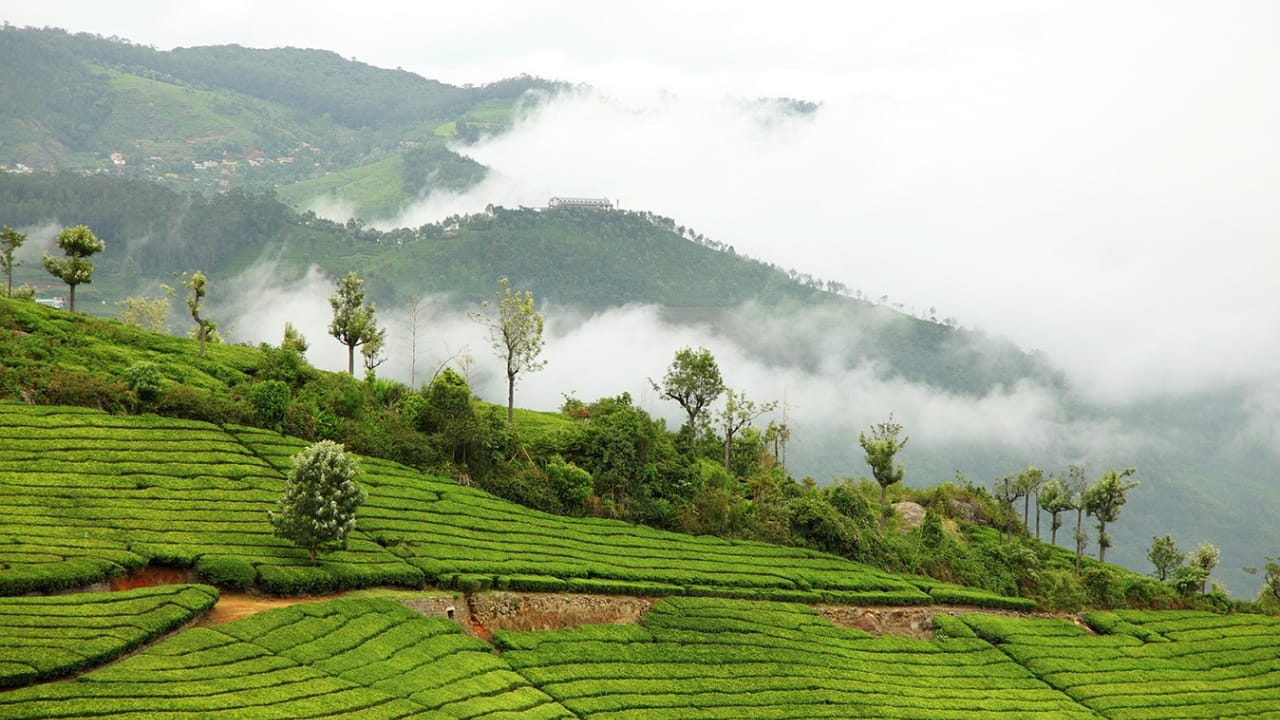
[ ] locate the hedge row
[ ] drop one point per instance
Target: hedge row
(51, 637)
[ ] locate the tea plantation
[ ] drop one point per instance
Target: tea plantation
(85, 495)
(688, 658)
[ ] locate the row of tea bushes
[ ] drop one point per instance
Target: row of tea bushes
(55, 636)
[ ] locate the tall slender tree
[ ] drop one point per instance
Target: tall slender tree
(353, 321)
(515, 331)
(738, 412)
(1054, 499)
(78, 243)
(10, 241)
(206, 330)
(1103, 501)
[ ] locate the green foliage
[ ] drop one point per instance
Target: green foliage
(1165, 556)
(353, 324)
(206, 330)
(515, 332)
(78, 243)
(56, 636)
(151, 314)
(226, 571)
(693, 380)
(318, 509)
(10, 241)
(270, 400)
(880, 448)
(1103, 501)
(145, 379)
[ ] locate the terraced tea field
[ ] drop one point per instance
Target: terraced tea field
(85, 495)
(688, 657)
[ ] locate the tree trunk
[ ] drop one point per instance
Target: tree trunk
(884, 505)
(351, 360)
(1102, 540)
(511, 399)
(1079, 518)
(728, 451)
(73, 298)
(1037, 516)
(1026, 512)
(1053, 533)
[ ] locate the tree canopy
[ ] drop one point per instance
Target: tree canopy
(78, 243)
(693, 380)
(318, 509)
(353, 321)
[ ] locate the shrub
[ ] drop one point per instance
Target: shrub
(270, 399)
(232, 573)
(145, 379)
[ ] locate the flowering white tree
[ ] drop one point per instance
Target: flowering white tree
(318, 509)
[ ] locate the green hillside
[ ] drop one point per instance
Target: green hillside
(687, 658)
(87, 496)
(200, 119)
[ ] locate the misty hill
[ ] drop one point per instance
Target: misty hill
(196, 118)
(568, 257)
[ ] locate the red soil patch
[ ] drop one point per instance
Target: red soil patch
(152, 575)
(234, 606)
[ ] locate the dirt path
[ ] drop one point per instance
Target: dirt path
(234, 606)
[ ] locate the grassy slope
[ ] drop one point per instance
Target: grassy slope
(87, 495)
(688, 658)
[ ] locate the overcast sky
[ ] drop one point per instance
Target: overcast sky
(1099, 180)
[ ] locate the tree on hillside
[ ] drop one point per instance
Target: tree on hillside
(318, 509)
(1005, 492)
(1103, 501)
(206, 330)
(353, 321)
(1029, 482)
(78, 243)
(1055, 499)
(515, 331)
(1206, 558)
(10, 241)
(1165, 556)
(1077, 484)
(880, 448)
(148, 313)
(738, 412)
(414, 320)
(372, 352)
(693, 381)
(1269, 595)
